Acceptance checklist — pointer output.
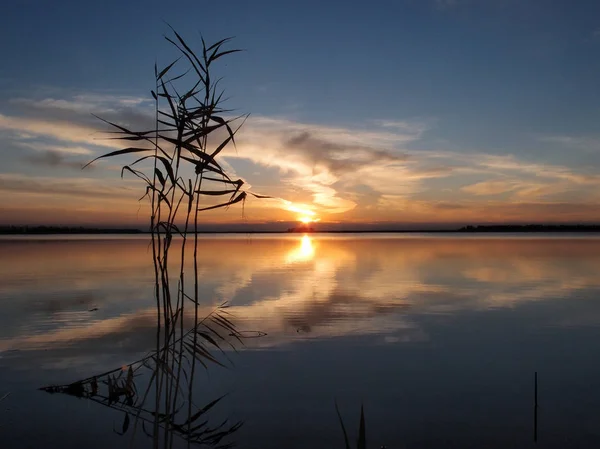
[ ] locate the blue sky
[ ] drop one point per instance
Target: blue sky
(489, 110)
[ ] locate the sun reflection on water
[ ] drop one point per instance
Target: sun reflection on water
(303, 253)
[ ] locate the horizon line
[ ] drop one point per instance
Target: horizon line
(530, 227)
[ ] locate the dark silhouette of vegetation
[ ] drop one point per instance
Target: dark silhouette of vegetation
(122, 389)
(178, 162)
(532, 228)
(302, 228)
(37, 230)
(361, 442)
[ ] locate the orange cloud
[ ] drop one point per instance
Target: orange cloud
(351, 174)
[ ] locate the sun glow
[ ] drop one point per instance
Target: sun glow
(300, 209)
(306, 220)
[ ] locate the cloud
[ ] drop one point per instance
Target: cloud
(69, 187)
(72, 120)
(411, 127)
(63, 149)
(517, 189)
(374, 171)
(541, 190)
(338, 158)
(511, 164)
(588, 144)
(52, 158)
(62, 130)
(86, 103)
(490, 187)
(325, 161)
(311, 157)
(525, 182)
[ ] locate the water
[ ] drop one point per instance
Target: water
(438, 336)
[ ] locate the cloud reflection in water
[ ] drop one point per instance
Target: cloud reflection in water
(292, 287)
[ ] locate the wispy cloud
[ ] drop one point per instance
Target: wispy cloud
(490, 187)
(584, 143)
(63, 149)
(88, 103)
(373, 171)
(71, 120)
(69, 187)
(54, 159)
(320, 160)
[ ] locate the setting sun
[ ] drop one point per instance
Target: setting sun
(306, 219)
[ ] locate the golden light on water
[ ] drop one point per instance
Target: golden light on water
(306, 246)
(302, 253)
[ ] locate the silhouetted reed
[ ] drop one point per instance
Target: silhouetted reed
(178, 162)
(361, 442)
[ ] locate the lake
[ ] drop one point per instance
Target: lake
(438, 336)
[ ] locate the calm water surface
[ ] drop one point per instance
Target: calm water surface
(438, 336)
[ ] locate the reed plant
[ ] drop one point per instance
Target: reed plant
(179, 162)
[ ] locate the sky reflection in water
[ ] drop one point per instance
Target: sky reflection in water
(426, 330)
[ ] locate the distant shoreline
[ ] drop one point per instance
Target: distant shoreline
(56, 230)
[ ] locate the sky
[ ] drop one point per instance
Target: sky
(404, 113)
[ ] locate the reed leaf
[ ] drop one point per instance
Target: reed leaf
(256, 195)
(240, 197)
(346, 441)
(216, 192)
(119, 152)
(164, 71)
(218, 43)
(214, 56)
(204, 410)
(362, 439)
